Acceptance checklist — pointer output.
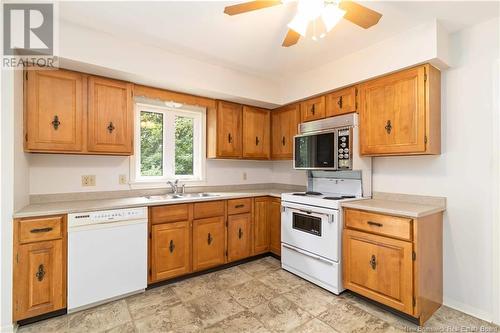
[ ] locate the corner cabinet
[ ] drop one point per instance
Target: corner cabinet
(400, 113)
(284, 126)
(396, 261)
(39, 283)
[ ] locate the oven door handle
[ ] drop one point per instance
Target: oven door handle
(307, 254)
(330, 217)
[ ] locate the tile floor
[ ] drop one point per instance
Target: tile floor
(254, 297)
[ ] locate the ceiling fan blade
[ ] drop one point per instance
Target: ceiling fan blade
(291, 38)
(250, 6)
(360, 15)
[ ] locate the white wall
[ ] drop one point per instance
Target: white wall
(463, 172)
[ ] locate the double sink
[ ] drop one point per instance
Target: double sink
(173, 196)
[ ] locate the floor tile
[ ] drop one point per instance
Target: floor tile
(214, 307)
(242, 322)
(282, 281)
(151, 301)
(313, 299)
(100, 318)
(170, 318)
(313, 326)
(461, 321)
(251, 293)
(259, 268)
(194, 287)
(125, 328)
(54, 325)
(281, 315)
(229, 277)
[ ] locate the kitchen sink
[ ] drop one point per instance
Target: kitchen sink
(181, 196)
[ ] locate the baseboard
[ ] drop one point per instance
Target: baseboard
(470, 310)
(8, 328)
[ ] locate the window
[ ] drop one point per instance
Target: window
(169, 143)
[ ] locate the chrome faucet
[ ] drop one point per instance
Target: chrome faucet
(173, 186)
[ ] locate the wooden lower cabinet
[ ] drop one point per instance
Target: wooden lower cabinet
(209, 242)
(239, 236)
(170, 250)
(39, 266)
(274, 213)
(386, 262)
(261, 232)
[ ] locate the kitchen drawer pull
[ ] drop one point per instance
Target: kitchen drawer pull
(240, 233)
(373, 262)
(239, 206)
(376, 224)
(39, 230)
(210, 239)
(40, 274)
(171, 247)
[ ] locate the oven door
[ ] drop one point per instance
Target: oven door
(315, 151)
(313, 229)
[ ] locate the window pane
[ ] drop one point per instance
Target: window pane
(184, 128)
(151, 144)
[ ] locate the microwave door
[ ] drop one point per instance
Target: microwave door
(315, 151)
(325, 151)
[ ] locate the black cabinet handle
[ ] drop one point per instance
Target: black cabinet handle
(56, 122)
(209, 239)
(229, 138)
(40, 274)
(339, 103)
(240, 233)
(376, 224)
(388, 127)
(39, 230)
(373, 262)
(171, 247)
(313, 109)
(111, 127)
(257, 141)
(239, 206)
(283, 141)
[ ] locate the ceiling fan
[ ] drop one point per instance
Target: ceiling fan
(323, 15)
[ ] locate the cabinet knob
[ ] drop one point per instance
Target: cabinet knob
(373, 262)
(388, 127)
(240, 233)
(111, 127)
(339, 103)
(40, 274)
(209, 239)
(171, 247)
(56, 122)
(257, 141)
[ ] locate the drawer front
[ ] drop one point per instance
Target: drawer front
(169, 213)
(379, 268)
(238, 206)
(208, 209)
(386, 225)
(40, 229)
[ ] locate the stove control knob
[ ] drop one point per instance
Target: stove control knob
(346, 150)
(341, 150)
(343, 139)
(343, 144)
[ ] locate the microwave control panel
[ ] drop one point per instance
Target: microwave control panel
(344, 149)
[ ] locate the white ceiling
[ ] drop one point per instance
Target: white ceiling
(252, 42)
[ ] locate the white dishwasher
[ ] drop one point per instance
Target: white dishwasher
(107, 255)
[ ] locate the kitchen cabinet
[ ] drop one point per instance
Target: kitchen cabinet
(54, 111)
(313, 109)
(274, 215)
(39, 282)
(110, 120)
(341, 102)
(209, 242)
(284, 125)
(170, 250)
(261, 228)
(224, 131)
(256, 133)
(400, 113)
(239, 236)
(396, 261)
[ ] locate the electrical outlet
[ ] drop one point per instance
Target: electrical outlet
(122, 179)
(88, 180)
(244, 176)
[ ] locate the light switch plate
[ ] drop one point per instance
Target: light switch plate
(88, 180)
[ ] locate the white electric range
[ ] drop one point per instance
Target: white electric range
(311, 227)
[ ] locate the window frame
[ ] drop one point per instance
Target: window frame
(169, 115)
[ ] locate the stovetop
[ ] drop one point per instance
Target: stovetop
(320, 199)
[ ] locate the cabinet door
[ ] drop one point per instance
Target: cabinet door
(341, 102)
(256, 133)
(229, 138)
(54, 110)
(261, 226)
(392, 114)
(285, 123)
(274, 216)
(379, 268)
(110, 122)
(170, 250)
(239, 237)
(312, 109)
(208, 242)
(39, 279)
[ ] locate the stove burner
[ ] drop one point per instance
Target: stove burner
(313, 193)
(300, 194)
(348, 196)
(340, 198)
(332, 198)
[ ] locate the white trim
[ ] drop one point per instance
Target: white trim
(465, 308)
(496, 194)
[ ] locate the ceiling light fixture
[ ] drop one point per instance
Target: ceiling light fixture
(310, 10)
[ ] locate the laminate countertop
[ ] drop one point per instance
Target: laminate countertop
(400, 204)
(78, 206)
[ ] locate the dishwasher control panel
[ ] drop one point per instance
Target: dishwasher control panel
(107, 216)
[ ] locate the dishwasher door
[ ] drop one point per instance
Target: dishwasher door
(105, 262)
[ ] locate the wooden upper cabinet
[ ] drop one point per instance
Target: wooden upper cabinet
(400, 113)
(256, 133)
(54, 111)
(341, 102)
(209, 240)
(284, 125)
(312, 109)
(110, 120)
(239, 237)
(225, 123)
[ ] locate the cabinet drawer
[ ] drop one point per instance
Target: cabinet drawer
(392, 226)
(208, 209)
(40, 229)
(169, 213)
(238, 206)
